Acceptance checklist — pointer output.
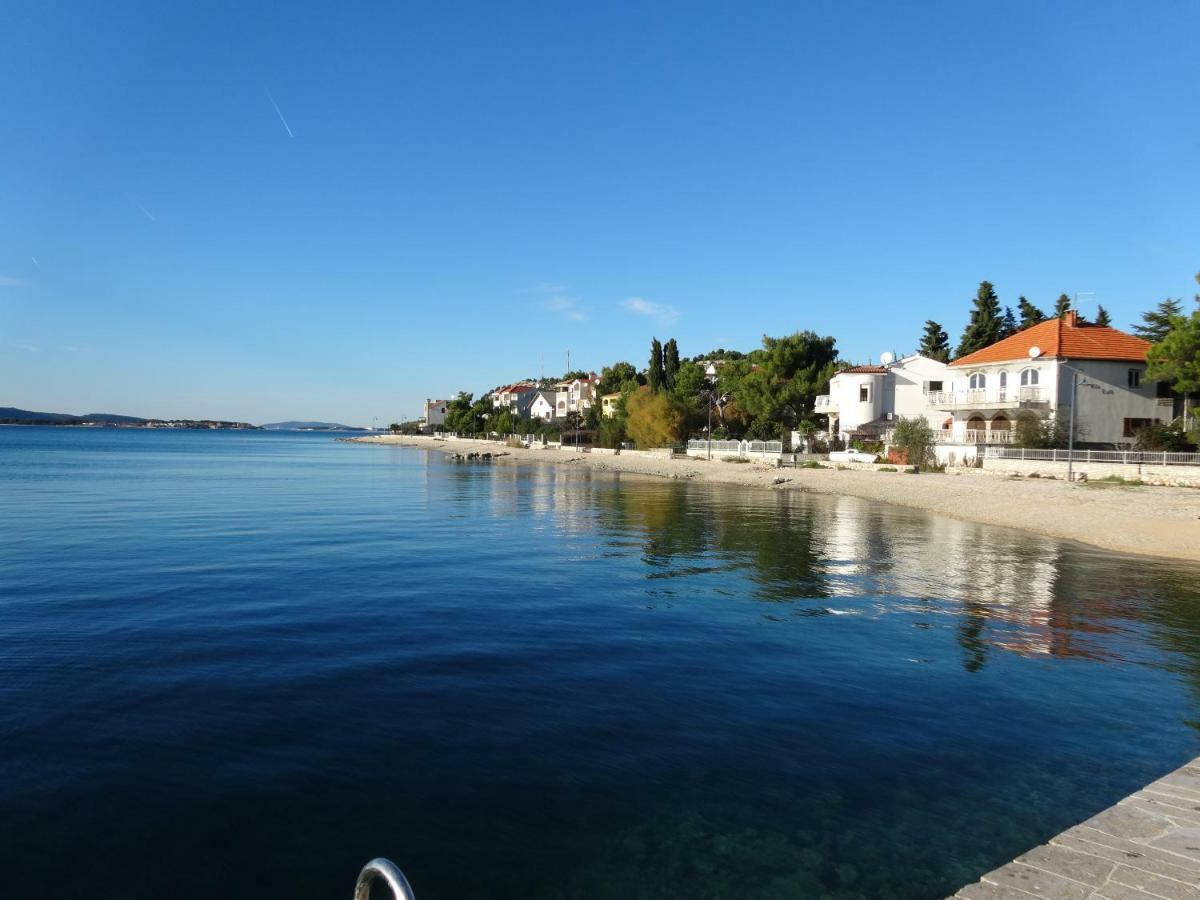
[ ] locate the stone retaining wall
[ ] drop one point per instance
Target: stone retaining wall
(1183, 476)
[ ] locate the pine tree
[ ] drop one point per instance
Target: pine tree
(1062, 305)
(1157, 322)
(654, 374)
(1102, 317)
(1008, 324)
(984, 327)
(1030, 314)
(935, 343)
(670, 364)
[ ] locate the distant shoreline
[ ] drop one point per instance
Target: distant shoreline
(1152, 521)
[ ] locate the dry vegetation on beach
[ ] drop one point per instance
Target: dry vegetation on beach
(1158, 521)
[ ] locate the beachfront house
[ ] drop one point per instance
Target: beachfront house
(515, 398)
(1031, 372)
(435, 412)
(542, 406)
(575, 396)
(608, 404)
(864, 402)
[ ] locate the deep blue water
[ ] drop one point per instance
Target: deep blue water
(242, 664)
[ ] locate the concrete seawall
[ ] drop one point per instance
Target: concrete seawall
(1146, 847)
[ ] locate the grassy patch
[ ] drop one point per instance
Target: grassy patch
(1115, 480)
(886, 469)
(811, 464)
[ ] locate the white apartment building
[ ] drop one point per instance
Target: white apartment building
(575, 396)
(865, 401)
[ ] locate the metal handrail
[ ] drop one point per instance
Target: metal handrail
(391, 875)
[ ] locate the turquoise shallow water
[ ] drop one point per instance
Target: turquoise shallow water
(241, 664)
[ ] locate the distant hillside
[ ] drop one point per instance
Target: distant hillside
(308, 426)
(10, 414)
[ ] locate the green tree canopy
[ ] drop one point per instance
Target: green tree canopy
(1030, 314)
(614, 378)
(1157, 322)
(984, 327)
(1176, 358)
(781, 385)
(1102, 316)
(1008, 323)
(1062, 305)
(935, 343)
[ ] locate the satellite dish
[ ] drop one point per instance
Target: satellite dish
(1035, 351)
(886, 359)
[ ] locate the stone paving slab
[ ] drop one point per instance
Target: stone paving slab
(1147, 847)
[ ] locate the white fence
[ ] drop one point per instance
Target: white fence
(742, 449)
(1119, 457)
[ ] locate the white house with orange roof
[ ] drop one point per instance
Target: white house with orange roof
(1031, 372)
(435, 412)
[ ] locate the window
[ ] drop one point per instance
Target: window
(864, 393)
(1135, 378)
(1003, 380)
(933, 387)
(1133, 426)
(1029, 377)
(978, 381)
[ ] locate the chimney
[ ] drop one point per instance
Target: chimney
(1072, 318)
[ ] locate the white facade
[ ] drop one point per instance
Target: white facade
(542, 406)
(1113, 399)
(574, 396)
(868, 400)
(435, 412)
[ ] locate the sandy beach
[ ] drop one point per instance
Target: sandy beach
(1156, 521)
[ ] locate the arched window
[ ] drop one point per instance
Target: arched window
(978, 381)
(1003, 380)
(1029, 377)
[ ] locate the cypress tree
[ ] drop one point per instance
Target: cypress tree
(1102, 316)
(1030, 314)
(935, 343)
(670, 364)
(1061, 305)
(654, 374)
(985, 324)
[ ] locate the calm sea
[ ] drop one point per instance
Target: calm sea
(242, 664)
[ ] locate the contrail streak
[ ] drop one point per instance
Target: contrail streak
(280, 114)
(35, 262)
(149, 215)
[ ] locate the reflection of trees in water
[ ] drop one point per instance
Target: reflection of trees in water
(687, 530)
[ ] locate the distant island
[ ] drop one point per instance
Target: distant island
(10, 415)
(309, 426)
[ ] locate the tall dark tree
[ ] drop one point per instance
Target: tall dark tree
(1102, 316)
(654, 373)
(1030, 314)
(1061, 305)
(1008, 323)
(935, 343)
(1157, 322)
(670, 364)
(985, 324)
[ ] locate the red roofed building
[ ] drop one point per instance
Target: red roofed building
(516, 398)
(1031, 372)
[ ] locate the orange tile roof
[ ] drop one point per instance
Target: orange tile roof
(1063, 338)
(865, 370)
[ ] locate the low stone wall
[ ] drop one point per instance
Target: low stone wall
(605, 451)
(1185, 476)
(769, 458)
(657, 453)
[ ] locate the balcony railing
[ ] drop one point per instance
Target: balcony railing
(988, 397)
(824, 403)
(975, 436)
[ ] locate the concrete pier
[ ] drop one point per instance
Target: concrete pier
(1147, 847)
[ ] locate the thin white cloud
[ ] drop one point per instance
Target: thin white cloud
(5, 281)
(567, 307)
(149, 215)
(28, 348)
(661, 311)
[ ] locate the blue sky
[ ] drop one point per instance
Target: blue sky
(450, 193)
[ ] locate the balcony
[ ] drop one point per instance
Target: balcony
(975, 436)
(824, 404)
(989, 398)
